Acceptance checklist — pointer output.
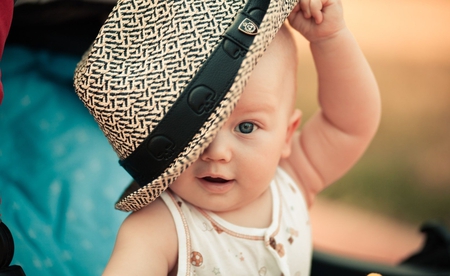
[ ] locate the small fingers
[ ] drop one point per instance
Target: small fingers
(312, 8)
(305, 7)
(316, 10)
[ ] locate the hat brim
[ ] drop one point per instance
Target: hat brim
(128, 94)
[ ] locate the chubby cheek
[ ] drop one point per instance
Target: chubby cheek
(182, 182)
(260, 166)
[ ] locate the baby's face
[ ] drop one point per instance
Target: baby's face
(238, 166)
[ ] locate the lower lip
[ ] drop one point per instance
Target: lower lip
(216, 188)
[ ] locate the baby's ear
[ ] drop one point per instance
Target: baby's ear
(293, 123)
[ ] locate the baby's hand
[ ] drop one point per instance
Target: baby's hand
(317, 19)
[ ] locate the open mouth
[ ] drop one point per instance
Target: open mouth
(216, 180)
(216, 184)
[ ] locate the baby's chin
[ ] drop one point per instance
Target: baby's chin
(217, 204)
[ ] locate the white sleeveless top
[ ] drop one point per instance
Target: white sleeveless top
(209, 245)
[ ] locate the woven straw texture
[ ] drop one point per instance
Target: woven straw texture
(142, 59)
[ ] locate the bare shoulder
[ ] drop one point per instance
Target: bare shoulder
(148, 234)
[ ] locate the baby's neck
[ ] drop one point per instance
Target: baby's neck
(257, 214)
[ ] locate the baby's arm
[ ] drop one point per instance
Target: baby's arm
(146, 243)
(336, 136)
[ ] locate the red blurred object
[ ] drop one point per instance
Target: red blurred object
(6, 13)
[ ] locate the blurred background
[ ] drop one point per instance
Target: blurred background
(63, 221)
(405, 174)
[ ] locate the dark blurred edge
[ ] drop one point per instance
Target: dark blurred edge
(67, 26)
(325, 264)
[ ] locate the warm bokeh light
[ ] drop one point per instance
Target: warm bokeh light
(405, 174)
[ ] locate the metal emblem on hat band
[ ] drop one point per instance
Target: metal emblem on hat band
(198, 100)
(160, 106)
(248, 27)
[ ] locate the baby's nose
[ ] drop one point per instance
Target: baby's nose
(219, 149)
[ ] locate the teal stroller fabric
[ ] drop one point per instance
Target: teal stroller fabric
(59, 177)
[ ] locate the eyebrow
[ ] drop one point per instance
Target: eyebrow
(258, 107)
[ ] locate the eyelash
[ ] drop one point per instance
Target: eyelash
(239, 129)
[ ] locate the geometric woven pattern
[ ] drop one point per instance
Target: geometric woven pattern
(140, 62)
(142, 59)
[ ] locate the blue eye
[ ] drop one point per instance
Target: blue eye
(246, 127)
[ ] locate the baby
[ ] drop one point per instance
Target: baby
(242, 207)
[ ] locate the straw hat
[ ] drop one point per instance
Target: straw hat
(162, 77)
